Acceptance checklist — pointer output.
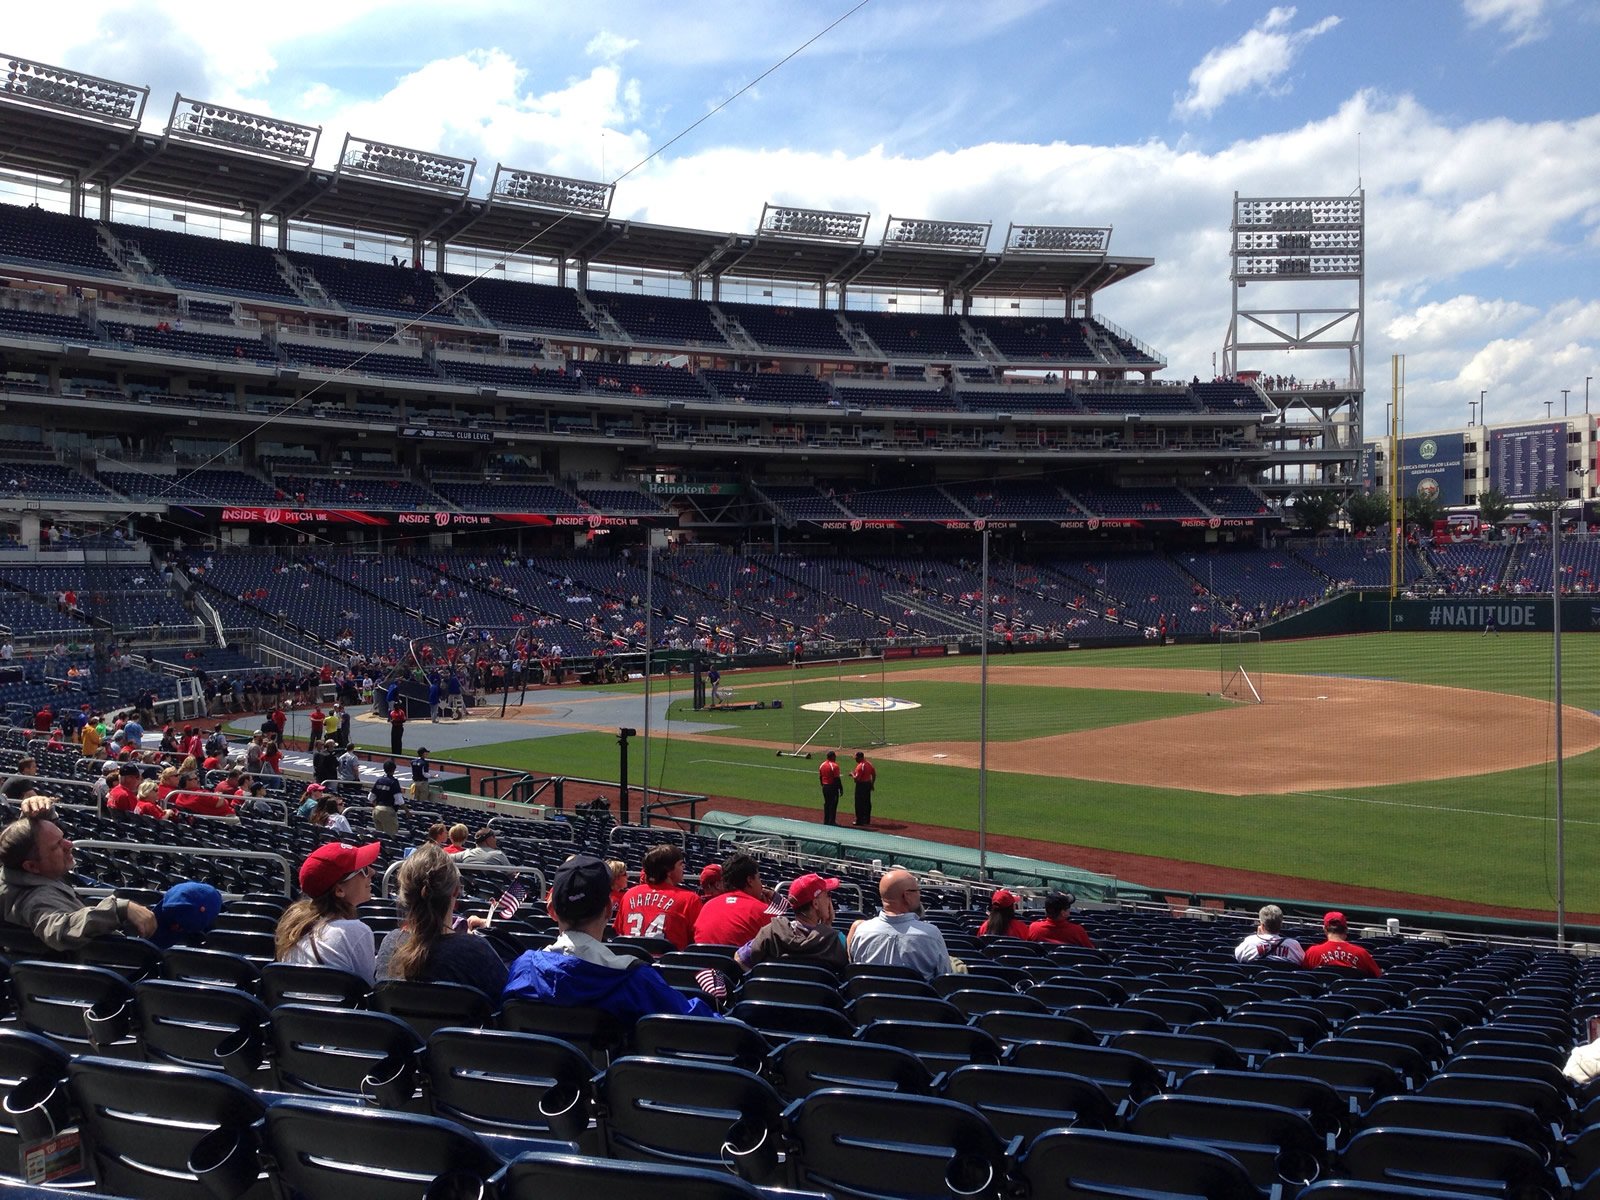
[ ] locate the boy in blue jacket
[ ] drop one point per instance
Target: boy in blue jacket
(577, 971)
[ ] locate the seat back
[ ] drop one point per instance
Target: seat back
(1315, 1099)
(186, 964)
(142, 1122)
(318, 1149)
(1277, 1146)
(538, 1175)
(85, 1009)
(692, 1114)
(1066, 1164)
(873, 1143)
(292, 983)
(940, 1047)
(704, 1039)
(36, 1061)
(510, 1084)
(777, 1021)
(429, 1006)
(1430, 1158)
(803, 1065)
(344, 1053)
(1011, 1027)
(1019, 1103)
(194, 1025)
(1485, 1118)
(596, 1033)
(1123, 1074)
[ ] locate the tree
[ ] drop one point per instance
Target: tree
(1423, 511)
(1315, 511)
(1546, 504)
(1367, 511)
(1493, 507)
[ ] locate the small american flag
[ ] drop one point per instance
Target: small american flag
(510, 900)
(778, 906)
(712, 982)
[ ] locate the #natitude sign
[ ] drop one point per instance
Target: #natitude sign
(1432, 466)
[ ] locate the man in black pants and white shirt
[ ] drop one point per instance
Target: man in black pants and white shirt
(387, 800)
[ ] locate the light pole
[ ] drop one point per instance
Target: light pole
(1472, 413)
(1586, 380)
(1564, 392)
(1547, 406)
(1483, 407)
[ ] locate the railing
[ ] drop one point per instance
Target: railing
(1138, 343)
(536, 890)
(208, 852)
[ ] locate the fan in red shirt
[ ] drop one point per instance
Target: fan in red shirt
(1058, 926)
(740, 912)
(1003, 920)
(1339, 951)
(125, 796)
(188, 798)
(660, 906)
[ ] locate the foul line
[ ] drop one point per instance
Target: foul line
(1434, 808)
(728, 762)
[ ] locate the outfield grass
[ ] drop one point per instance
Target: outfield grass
(1489, 839)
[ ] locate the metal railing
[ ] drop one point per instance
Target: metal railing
(208, 852)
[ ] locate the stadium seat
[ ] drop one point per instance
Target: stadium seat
(702, 1039)
(344, 1053)
(323, 1151)
(1020, 1103)
(940, 1047)
(202, 1026)
(1277, 1146)
(691, 1114)
(286, 983)
(84, 1009)
(595, 1033)
(427, 1006)
(541, 1175)
(1069, 1164)
(875, 1144)
(1122, 1074)
(803, 1065)
(35, 1061)
(1460, 1161)
(141, 1124)
(511, 1084)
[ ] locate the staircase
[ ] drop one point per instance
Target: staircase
(461, 304)
(859, 341)
(980, 344)
(304, 284)
(126, 254)
(603, 321)
(733, 331)
(1513, 563)
(1104, 348)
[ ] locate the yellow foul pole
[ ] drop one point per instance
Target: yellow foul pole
(1397, 387)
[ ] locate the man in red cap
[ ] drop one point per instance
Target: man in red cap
(660, 906)
(806, 932)
(1339, 950)
(739, 913)
(710, 881)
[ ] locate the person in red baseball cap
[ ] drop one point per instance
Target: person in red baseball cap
(805, 931)
(1003, 920)
(321, 928)
(710, 881)
(1339, 951)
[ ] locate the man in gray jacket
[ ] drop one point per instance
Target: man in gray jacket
(35, 860)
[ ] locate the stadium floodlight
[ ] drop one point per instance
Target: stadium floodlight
(1057, 239)
(555, 192)
(925, 233)
(201, 121)
(1316, 237)
(398, 164)
(817, 223)
(72, 91)
(1298, 212)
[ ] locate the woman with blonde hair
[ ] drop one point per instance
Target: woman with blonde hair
(148, 803)
(321, 928)
(458, 839)
(166, 784)
(426, 947)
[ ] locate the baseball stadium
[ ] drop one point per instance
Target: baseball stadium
(629, 534)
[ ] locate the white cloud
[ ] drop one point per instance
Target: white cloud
(1258, 61)
(1522, 20)
(608, 46)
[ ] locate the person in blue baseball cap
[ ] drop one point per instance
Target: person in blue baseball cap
(187, 910)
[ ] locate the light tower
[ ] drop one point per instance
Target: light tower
(1305, 259)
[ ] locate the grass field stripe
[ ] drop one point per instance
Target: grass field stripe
(1475, 812)
(728, 762)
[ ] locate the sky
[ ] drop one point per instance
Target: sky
(1472, 125)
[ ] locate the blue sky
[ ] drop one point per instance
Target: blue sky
(1478, 124)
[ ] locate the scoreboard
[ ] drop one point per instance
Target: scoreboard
(1526, 461)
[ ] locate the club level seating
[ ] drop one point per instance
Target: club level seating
(1231, 501)
(50, 481)
(1361, 561)
(33, 235)
(497, 375)
(621, 502)
(512, 497)
(1465, 568)
(928, 336)
(331, 360)
(185, 344)
(1155, 503)
(1017, 501)
(216, 311)
(769, 387)
(350, 491)
(211, 264)
(1037, 339)
(908, 398)
(781, 327)
(1019, 400)
(22, 322)
(604, 378)
(1166, 400)
(656, 319)
(911, 503)
(537, 306)
(375, 287)
(804, 503)
(1228, 396)
(1143, 587)
(1253, 577)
